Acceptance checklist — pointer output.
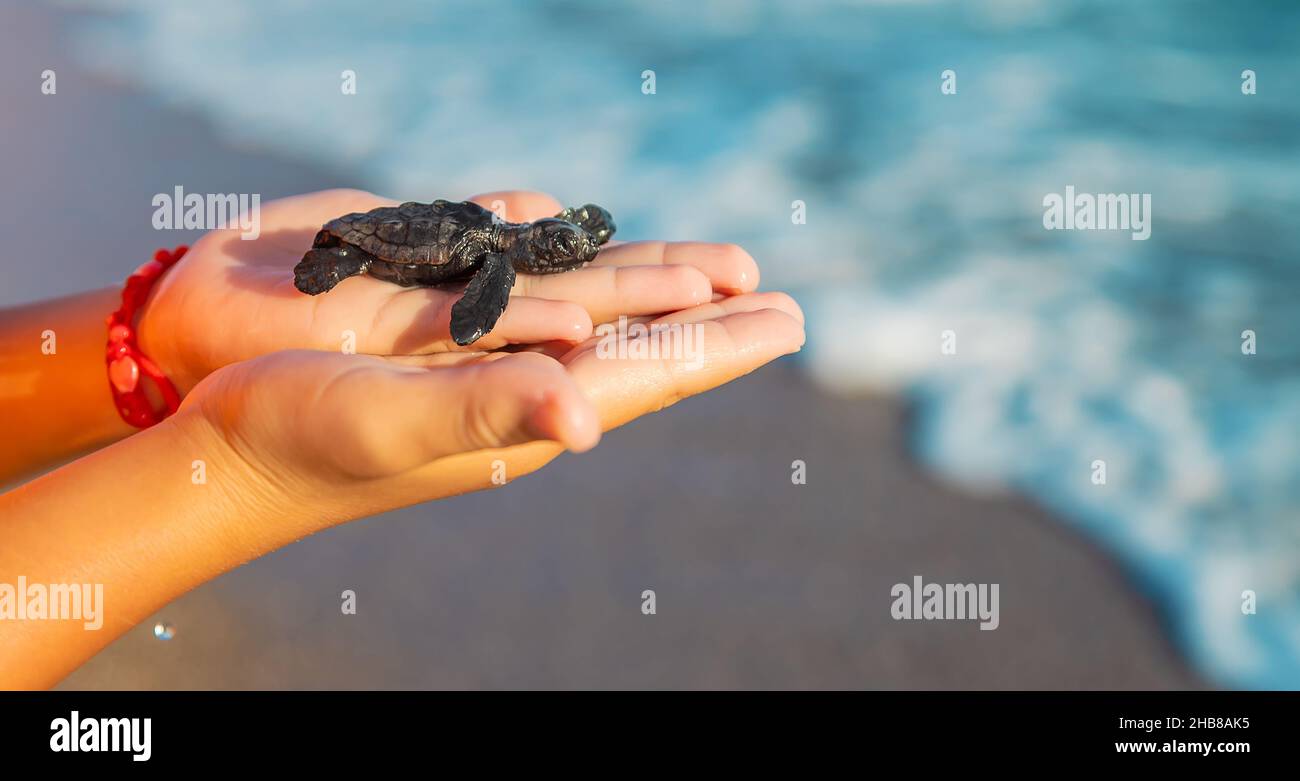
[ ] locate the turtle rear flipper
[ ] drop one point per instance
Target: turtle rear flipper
(485, 299)
(321, 269)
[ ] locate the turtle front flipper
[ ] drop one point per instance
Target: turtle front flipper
(485, 299)
(591, 218)
(323, 268)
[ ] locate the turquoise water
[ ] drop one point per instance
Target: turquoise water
(924, 214)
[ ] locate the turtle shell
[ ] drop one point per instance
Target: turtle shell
(422, 233)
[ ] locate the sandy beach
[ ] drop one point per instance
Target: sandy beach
(759, 583)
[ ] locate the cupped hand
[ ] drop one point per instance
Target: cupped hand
(337, 437)
(232, 299)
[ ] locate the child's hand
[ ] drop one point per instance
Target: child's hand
(323, 437)
(296, 441)
(230, 300)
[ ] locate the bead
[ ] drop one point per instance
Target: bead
(124, 373)
(135, 293)
(125, 362)
(148, 270)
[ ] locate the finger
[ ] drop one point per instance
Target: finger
(440, 360)
(606, 293)
(748, 302)
(519, 205)
(728, 267)
(380, 418)
(624, 388)
(502, 402)
(418, 320)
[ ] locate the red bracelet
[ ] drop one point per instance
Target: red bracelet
(125, 361)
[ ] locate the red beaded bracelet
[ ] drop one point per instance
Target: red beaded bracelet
(125, 361)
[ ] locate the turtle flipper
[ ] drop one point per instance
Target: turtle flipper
(321, 269)
(591, 218)
(485, 299)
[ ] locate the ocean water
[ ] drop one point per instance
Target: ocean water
(924, 214)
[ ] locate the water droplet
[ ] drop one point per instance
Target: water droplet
(164, 631)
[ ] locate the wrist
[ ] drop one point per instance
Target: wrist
(163, 339)
(254, 506)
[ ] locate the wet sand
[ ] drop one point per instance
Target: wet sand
(759, 583)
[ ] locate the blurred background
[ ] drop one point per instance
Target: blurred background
(923, 214)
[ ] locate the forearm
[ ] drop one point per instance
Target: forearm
(133, 519)
(54, 397)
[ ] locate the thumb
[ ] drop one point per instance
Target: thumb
(500, 402)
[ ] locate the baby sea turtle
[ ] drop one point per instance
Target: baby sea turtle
(432, 243)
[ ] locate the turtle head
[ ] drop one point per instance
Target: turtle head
(553, 245)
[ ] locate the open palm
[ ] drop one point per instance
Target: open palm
(230, 300)
(361, 434)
